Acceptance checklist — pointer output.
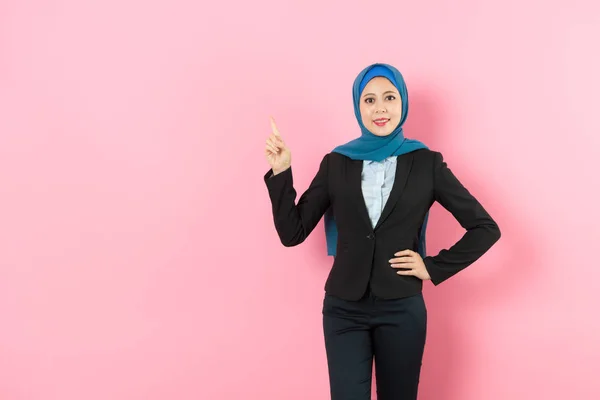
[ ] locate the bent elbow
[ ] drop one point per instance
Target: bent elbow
(292, 240)
(494, 233)
(288, 243)
(497, 233)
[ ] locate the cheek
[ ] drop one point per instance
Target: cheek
(397, 110)
(364, 114)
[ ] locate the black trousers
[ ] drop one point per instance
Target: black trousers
(392, 332)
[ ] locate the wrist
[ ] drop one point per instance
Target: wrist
(277, 171)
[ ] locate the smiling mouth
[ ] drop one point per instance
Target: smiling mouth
(381, 121)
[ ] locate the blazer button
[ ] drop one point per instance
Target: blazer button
(371, 236)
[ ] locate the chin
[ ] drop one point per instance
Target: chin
(383, 131)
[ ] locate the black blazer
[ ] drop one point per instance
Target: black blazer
(363, 252)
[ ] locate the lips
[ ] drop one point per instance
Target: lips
(381, 121)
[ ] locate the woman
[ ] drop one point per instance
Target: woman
(375, 193)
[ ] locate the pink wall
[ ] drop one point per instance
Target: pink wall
(138, 259)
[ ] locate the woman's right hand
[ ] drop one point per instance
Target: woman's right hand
(278, 155)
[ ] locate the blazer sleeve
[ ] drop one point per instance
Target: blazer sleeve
(481, 230)
(294, 222)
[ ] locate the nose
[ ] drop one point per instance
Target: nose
(380, 108)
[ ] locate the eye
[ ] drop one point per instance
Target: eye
(369, 100)
(391, 97)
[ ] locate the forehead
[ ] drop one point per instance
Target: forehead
(379, 84)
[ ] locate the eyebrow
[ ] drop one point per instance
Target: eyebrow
(373, 94)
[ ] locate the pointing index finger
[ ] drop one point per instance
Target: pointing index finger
(274, 128)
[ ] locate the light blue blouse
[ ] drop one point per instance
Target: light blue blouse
(377, 181)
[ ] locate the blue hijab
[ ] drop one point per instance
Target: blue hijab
(372, 147)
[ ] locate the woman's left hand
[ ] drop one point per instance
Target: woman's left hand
(410, 263)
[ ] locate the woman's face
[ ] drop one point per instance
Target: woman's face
(380, 106)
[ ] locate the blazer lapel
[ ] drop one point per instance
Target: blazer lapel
(355, 184)
(403, 166)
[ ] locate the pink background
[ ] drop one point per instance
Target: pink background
(138, 258)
